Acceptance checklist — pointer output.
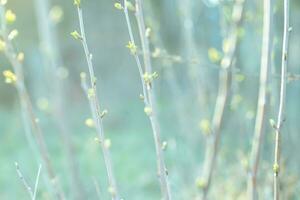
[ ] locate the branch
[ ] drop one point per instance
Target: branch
(37, 182)
(24, 182)
(91, 92)
(222, 97)
(262, 98)
(26, 105)
(280, 117)
(148, 93)
(51, 58)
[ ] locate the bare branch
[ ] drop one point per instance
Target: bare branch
(262, 98)
(149, 97)
(282, 100)
(222, 97)
(95, 108)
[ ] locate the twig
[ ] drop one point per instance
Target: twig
(26, 185)
(27, 107)
(148, 93)
(224, 83)
(95, 108)
(24, 182)
(262, 98)
(37, 182)
(97, 187)
(52, 61)
(280, 117)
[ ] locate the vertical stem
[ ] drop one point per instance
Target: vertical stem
(24, 182)
(280, 117)
(36, 182)
(52, 59)
(95, 109)
(27, 108)
(222, 97)
(262, 98)
(149, 97)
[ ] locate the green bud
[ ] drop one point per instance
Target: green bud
(76, 35)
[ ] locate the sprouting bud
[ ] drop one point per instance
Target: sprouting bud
(91, 92)
(201, 183)
(3, 2)
(225, 63)
(156, 53)
(10, 77)
(148, 110)
(154, 75)
(107, 143)
(42, 104)
(276, 168)
(89, 122)
(214, 55)
(130, 6)
(245, 162)
(10, 16)
(77, 2)
(103, 113)
(97, 140)
(226, 45)
(235, 102)
(132, 47)
(56, 14)
(148, 78)
(176, 59)
(118, 6)
(2, 45)
(148, 32)
(94, 80)
(82, 75)
(142, 97)
(111, 191)
(239, 77)
(13, 34)
(20, 57)
(164, 145)
(272, 123)
(204, 126)
(241, 32)
(76, 35)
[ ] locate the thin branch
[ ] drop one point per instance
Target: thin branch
(51, 58)
(282, 100)
(222, 97)
(262, 98)
(27, 107)
(24, 182)
(149, 98)
(95, 109)
(37, 182)
(97, 187)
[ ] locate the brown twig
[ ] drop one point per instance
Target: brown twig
(222, 97)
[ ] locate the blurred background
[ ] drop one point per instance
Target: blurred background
(186, 44)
